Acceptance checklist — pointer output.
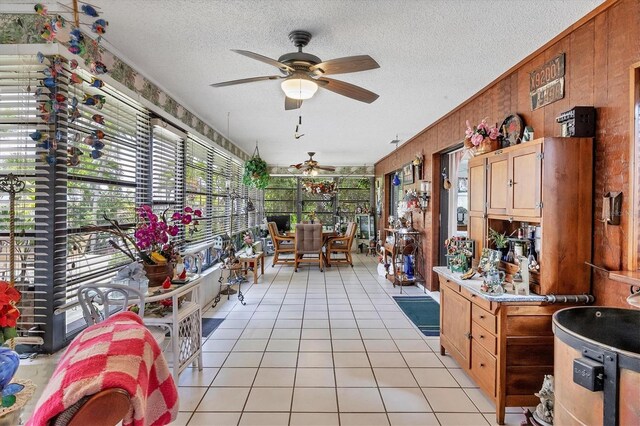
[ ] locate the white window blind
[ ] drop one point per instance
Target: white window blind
(240, 204)
(221, 210)
(20, 156)
(167, 165)
(110, 186)
(198, 183)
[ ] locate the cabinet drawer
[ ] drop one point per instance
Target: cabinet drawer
(478, 300)
(483, 368)
(444, 282)
(484, 318)
(487, 340)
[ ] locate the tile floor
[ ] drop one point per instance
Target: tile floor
(332, 348)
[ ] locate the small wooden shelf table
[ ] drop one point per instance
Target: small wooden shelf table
(258, 260)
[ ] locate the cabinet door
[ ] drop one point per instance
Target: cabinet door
(478, 233)
(477, 185)
(455, 325)
(497, 184)
(525, 176)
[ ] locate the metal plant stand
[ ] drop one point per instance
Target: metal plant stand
(236, 276)
(407, 248)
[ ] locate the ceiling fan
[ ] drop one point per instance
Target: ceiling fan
(310, 167)
(303, 73)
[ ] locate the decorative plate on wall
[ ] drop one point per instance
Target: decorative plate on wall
(511, 129)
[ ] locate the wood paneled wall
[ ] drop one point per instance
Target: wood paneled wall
(600, 51)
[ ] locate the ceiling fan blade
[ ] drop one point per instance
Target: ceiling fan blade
(291, 103)
(327, 168)
(349, 90)
(266, 60)
(296, 166)
(345, 65)
(246, 80)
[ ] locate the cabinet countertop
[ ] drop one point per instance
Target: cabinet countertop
(473, 285)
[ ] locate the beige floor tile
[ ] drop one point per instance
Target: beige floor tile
(315, 359)
(343, 323)
(315, 345)
(283, 345)
(315, 377)
(315, 333)
(314, 419)
(447, 360)
(243, 359)
(275, 377)
(379, 345)
(349, 345)
(345, 333)
(195, 377)
(363, 419)
(214, 359)
(218, 345)
(256, 333)
(386, 359)
(350, 359)
(315, 323)
(263, 419)
(374, 333)
(409, 400)
(286, 333)
(269, 399)
(404, 333)
(413, 419)
(434, 378)
(510, 419)
(228, 377)
(322, 400)
(181, 420)
(226, 333)
(449, 400)
(288, 324)
(190, 397)
(395, 377)
(218, 419)
(279, 359)
(355, 377)
(461, 419)
(462, 378)
(359, 400)
(484, 404)
(422, 359)
(223, 399)
(250, 345)
(412, 345)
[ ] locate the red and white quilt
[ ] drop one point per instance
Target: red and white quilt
(117, 353)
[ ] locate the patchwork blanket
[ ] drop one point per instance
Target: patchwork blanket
(117, 353)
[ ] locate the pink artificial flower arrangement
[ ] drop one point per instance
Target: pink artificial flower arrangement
(478, 133)
(152, 237)
(246, 238)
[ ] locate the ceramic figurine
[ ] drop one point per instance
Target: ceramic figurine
(89, 10)
(544, 410)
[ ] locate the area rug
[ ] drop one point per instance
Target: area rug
(209, 325)
(423, 311)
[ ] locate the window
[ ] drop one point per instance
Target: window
(280, 198)
(166, 167)
(110, 186)
(353, 192)
(198, 182)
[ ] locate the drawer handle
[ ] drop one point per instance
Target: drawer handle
(481, 316)
(481, 336)
(481, 365)
(473, 295)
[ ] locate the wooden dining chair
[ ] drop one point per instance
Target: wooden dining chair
(336, 245)
(281, 244)
(308, 242)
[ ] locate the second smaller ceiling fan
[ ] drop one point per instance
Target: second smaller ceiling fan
(311, 167)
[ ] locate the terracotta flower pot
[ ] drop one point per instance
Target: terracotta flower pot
(487, 145)
(158, 273)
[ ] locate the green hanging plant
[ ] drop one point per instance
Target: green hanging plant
(255, 171)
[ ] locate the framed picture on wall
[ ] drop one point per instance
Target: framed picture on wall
(463, 184)
(407, 173)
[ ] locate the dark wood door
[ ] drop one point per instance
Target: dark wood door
(497, 184)
(525, 178)
(455, 325)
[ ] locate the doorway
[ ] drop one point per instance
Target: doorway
(454, 196)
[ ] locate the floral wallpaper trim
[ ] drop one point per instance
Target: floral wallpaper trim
(340, 170)
(26, 28)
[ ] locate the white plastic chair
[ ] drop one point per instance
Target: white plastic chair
(114, 298)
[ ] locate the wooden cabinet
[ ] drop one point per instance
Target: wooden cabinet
(497, 183)
(506, 348)
(548, 183)
(477, 204)
(456, 332)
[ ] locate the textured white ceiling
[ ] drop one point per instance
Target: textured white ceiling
(433, 55)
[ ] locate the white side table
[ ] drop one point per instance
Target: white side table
(185, 322)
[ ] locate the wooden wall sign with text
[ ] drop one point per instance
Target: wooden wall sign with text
(546, 83)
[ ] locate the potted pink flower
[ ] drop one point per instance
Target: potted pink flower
(483, 138)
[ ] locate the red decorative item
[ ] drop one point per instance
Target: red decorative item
(166, 284)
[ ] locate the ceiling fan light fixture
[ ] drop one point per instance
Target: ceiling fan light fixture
(299, 88)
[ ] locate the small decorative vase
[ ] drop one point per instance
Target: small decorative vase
(408, 267)
(487, 145)
(158, 273)
(9, 362)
